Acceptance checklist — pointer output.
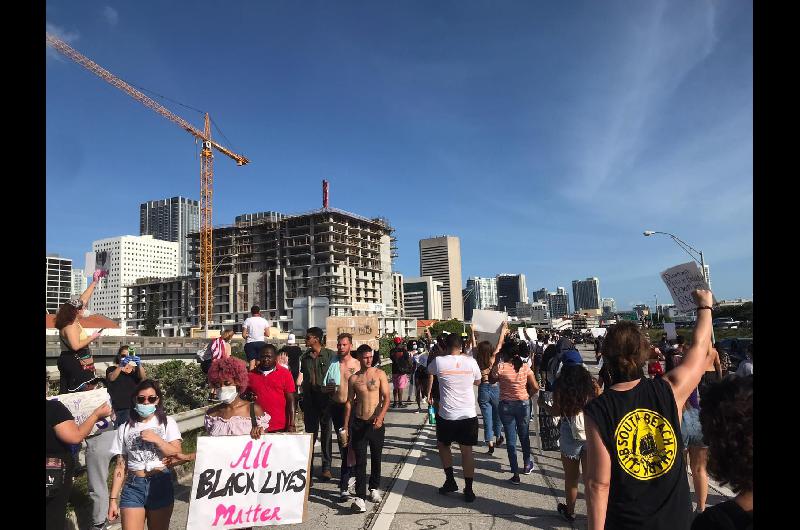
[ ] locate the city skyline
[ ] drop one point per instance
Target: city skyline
(594, 119)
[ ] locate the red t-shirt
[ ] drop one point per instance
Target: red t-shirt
(270, 394)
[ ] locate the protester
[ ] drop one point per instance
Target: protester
(77, 374)
(121, 381)
(632, 430)
(314, 364)
(727, 423)
(420, 375)
(517, 383)
(142, 444)
(713, 374)
(746, 366)
(574, 388)
(675, 355)
(61, 431)
(411, 347)
(489, 392)
(365, 410)
(273, 387)
(456, 419)
(697, 451)
(336, 384)
(401, 368)
(254, 332)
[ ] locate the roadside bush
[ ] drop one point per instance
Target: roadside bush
(184, 385)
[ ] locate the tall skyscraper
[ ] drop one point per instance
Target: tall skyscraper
(79, 283)
(440, 257)
(171, 220)
(58, 281)
(558, 303)
(586, 293)
(511, 288)
(484, 291)
(540, 295)
(131, 258)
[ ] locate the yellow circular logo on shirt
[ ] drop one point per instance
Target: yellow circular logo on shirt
(646, 445)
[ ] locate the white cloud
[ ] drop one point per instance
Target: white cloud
(67, 36)
(111, 14)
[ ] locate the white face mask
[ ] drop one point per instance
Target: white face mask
(227, 394)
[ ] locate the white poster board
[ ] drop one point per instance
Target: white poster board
(598, 332)
(487, 324)
(681, 280)
(239, 482)
(82, 404)
(532, 334)
(669, 329)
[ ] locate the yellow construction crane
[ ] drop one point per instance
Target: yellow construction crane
(206, 163)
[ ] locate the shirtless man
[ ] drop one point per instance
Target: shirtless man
(347, 366)
(369, 396)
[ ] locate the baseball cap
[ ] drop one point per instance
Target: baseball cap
(290, 339)
(398, 340)
(571, 357)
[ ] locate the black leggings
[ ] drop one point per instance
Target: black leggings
(56, 507)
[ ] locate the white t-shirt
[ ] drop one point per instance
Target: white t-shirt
(143, 456)
(255, 327)
(421, 359)
(457, 375)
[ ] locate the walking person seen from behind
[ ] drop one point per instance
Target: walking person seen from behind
(456, 418)
(489, 392)
(255, 331)
(635, 469)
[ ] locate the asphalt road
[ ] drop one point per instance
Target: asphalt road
(411, 473)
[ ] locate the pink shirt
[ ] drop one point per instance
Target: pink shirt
(234, 426)
(513, 384)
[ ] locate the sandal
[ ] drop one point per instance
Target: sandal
(562, 509)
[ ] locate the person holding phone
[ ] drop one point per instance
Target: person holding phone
(121, 381)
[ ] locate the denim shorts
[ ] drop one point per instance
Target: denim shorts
(570, 447)
(150, 493)
(691, 430)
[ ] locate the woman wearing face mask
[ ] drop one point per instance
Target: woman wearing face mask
(148, 437)
(234, 416)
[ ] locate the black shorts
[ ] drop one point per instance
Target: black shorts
(252, 349)
(463, 432)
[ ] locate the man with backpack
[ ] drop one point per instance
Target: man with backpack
(401, 368)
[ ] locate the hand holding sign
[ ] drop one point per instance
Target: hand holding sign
(681, 281)
(703, 297)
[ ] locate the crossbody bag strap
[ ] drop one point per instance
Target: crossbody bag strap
(253, 414)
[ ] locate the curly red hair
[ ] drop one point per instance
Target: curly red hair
(230, 368)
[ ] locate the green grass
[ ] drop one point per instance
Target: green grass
(688, 333)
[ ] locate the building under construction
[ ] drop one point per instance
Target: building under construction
(270, 259)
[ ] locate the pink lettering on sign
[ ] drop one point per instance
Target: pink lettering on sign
(263, 453)
(252, 514)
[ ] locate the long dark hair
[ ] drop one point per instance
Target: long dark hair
(574, 389)
(160, 414)
(626, 351)
(484, 355)
(66, 315)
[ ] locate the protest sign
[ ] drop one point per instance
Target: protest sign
(487, 324)
(239, 482)
(82, 404)
(598, 332)
(681, 280)
(669, 329)
(532, 334)
(365, 330)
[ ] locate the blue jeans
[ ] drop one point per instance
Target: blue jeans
(515, 416)
(489, 402)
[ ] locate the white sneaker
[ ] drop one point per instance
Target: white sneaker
(344, 496)
(359, 505)
(351, 483)
(375, 495)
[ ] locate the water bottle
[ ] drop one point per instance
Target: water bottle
(431, 415)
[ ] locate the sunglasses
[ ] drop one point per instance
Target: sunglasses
(149, 399)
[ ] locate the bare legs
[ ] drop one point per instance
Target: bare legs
(697, 463)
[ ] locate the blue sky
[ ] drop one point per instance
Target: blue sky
(546, 135)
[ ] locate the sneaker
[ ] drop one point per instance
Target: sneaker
(562, 509)
(393, 405)
(325, 476)
(469, 496)
(101, 526)
(528, 468)
(359, 505)
(344, 496)
(417, 411)
(403, 406)
(514, 480)
(448, 487)
(351, 483)
(375, 495)
(491, 449)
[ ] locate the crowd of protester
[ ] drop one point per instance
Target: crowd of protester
(628, 433)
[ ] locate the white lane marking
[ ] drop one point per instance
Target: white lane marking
(395, 495)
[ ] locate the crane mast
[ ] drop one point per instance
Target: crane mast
(205, 308)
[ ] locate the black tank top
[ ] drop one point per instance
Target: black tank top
(640, 428)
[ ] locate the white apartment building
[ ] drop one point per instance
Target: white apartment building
(58, 281)
(423, 298)
(79, 283)
(485, 290)
(131, 258)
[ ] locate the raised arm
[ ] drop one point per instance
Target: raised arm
(685, 377)
(87, 294)
(501, 338)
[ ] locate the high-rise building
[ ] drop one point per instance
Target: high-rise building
(422, 298)
(58, 281)
(586, 293)
(540, 295)
(484, 291)
(511, 289)
(131, 258)
(440, 257)
(558, 303)
(536, 313)
(79, 283)
(609, 306)
(171, 220)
